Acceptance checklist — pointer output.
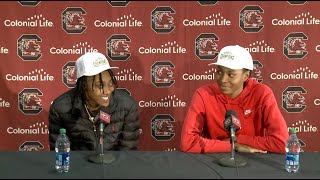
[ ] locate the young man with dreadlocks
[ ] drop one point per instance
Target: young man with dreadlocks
(77, 110)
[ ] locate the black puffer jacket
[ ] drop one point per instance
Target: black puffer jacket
(67, 111)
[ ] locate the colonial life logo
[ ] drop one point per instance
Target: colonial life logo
(301, 19)
(171, 101)
(207, 75)
(128, 75)
(260, 47)
(29, 101)
(304, 73)
(4, 50)
(79, 48)
(36, 75)
(123, 21)
(303, 126)
(211, 20)
(166, 48)
(34, 129)
(34, 21)
(4, 103)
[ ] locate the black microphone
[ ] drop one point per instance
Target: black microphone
(232, 124)
(103, 119)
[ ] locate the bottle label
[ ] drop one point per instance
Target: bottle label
(62, 159)
(292, 159)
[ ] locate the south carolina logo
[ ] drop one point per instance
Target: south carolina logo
(250, 19)
(28, 47)
(73, 20)
(162, 127)
(29, 101)
(29, 3)
(294, 46)
(118, 48)
(162, 20)
(118, 3)
(162, 74)
(69, 76)
(256, 71)
(205, 46)
(293, 100)
(31, 146)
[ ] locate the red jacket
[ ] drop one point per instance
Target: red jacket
(262, 124)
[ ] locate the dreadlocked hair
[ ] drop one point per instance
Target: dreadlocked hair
(81, 85)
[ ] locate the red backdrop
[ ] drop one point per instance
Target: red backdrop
(163, 49)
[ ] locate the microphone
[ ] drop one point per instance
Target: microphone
(103, 119)
(232, 124)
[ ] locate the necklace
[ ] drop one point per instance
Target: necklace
(90, 117)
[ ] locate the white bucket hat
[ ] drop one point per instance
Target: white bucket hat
(91, 63)
(234, 57)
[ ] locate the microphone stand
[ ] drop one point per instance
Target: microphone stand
(101, 158)
(232, 161)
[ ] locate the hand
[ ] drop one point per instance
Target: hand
(248, 149)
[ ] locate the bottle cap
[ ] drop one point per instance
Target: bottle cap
(292, 131)
(62, 131)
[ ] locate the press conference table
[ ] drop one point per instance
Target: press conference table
(153, 165)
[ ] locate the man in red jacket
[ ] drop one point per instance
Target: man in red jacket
(263, 128)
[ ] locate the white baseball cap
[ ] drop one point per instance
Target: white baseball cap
(91, 63)
(234, 57)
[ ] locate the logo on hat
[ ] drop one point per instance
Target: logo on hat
(28, 47)
(162, 20)
(250, 19)
(73, 20)
(118, 48)
(206, 46)
(293, 100)
(294, 46)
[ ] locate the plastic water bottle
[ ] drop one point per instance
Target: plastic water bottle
(292, 152)
(62, 149)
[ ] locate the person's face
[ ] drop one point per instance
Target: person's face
(231, 81)
(99, 92)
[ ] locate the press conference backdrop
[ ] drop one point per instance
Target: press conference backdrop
(162, 49)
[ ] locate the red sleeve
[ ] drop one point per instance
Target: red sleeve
(191, 133)
(276, 130)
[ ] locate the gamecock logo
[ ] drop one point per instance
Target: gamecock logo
(118, 48)
(162, 20)
(29, 101)
(293, 100)
(162, 74)
(250, 19)
(28, 47)
(205, 46)
(256, 72)
(162, 127)
(73, 20)
(294, 46)
(31, 146)
(69, 75)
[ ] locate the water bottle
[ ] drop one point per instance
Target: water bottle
(292, 152)
(62, 149)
